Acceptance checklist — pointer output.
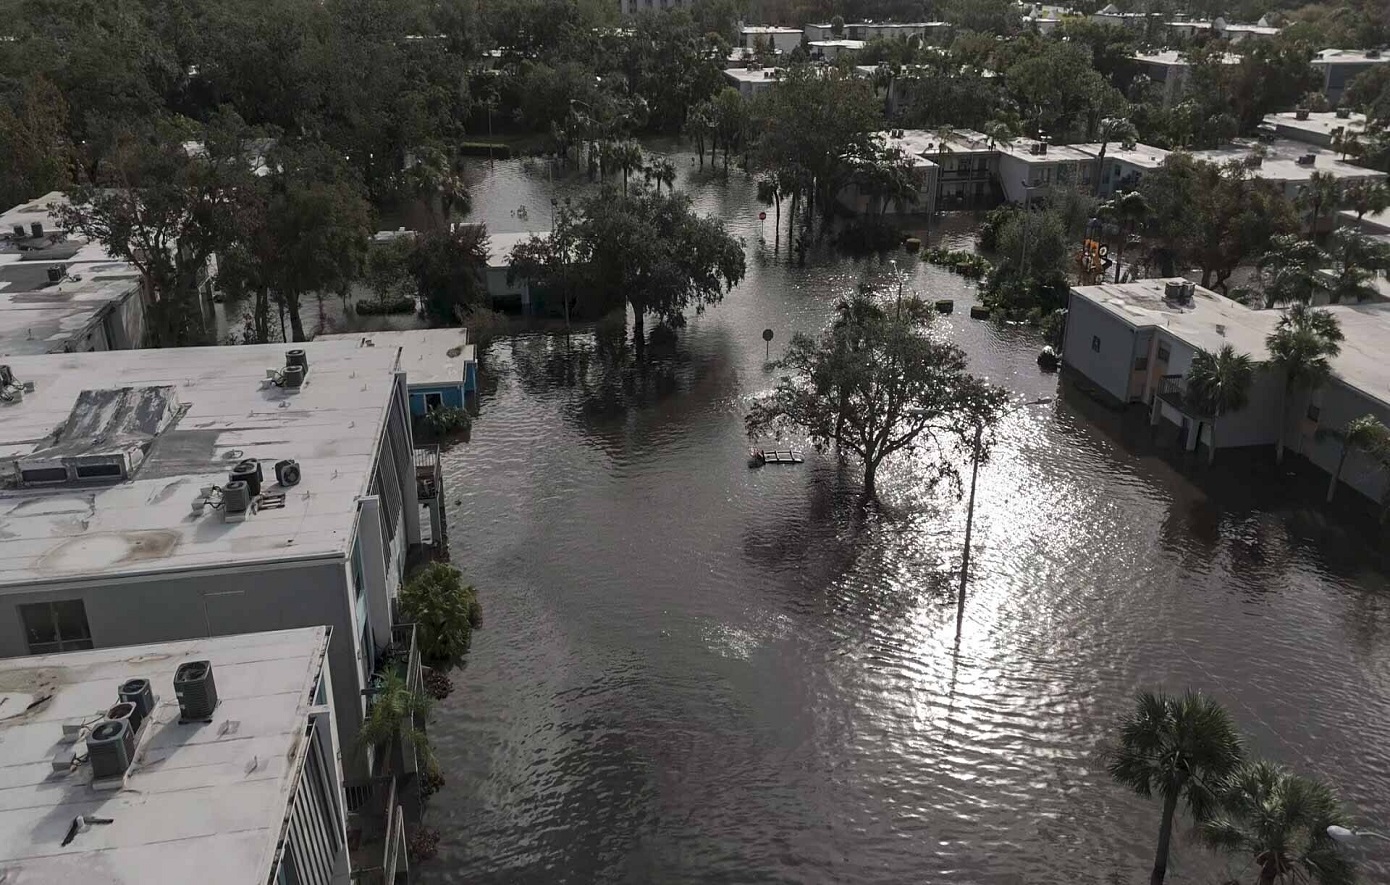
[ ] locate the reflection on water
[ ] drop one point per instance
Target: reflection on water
(696, 672)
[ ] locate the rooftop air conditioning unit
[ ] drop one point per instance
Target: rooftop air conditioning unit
(126, 712)
(196, 690)
(1373, 53)
(1172, 290)
(249, 472)
(37, 229)
(110, 747)
(1307, 159)
(57, 272)
(19, 232)
(1301, 113)
(140, 693)
(292, 378)
(236, 500)
(1189, 290)
(1343, 113)
(287, 472)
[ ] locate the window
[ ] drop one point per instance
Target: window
(1314, 412)
(56, 626)
(433, 401)
(1164, 353)
(1095, 343)
(1141, 364)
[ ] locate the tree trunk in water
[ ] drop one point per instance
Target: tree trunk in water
(261, 316)
(1211, 446)
(639, 333)
(296, 322)
(1283, 424)
(870, 486)
(1165, 838)
(1337, 476)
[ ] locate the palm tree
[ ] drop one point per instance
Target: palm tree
(1319, 195)
(1112, 129)
(1302, 346)
(770, 194)
(1279, 821)
(1183, 749)
(1128, 212)
(1218, 384)
(1365, 434)
(1356, 261)
(444, 611)
(393, 714)
(661, 171)
(1289, 270)
(1365, 196)
(627, 156)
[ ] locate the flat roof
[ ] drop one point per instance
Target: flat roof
(753, 75)
(1361, 364)
(38, 316)
(769, 29)
(202, 803)
(1142, 155)
(429, 357)
(1373, 222)
(1318, 123)
(842, 44)
(331, 426)
(500, 246)
(1281, 160)
(916, 143)
(1349, 57)
(1056, 153)
(1175, 58)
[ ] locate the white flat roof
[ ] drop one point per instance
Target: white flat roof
(842, 44)
(429, 357)
(1319, 123)
(1174, 58)
(202, 802)
(1348, 57)
(37, 316)
(331, 426)
(767, 29)
(1374, 222)
(1142, 155)
(1281, 160)
(1361, 364)
(1056, 153)
(754, 75)
(916, 143)
(500, 245)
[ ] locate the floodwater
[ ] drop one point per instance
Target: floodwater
(696, 672)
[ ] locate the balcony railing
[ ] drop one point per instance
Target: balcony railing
(428, 478)
(1172, 389)
(403, 636)
(378, 855)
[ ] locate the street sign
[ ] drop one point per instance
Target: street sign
(767, 337)
(762, 216)
(1103, 251)
(767, 334)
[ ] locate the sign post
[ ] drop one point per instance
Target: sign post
(767, 341)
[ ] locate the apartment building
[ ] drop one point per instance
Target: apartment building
(1339, 67)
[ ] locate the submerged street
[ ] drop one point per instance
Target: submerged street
(695, 672)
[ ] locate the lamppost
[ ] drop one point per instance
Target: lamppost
(898, 307)
(1348, 837)
(970, 508)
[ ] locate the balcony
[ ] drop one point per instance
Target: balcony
(428, 479)
(1172, 389)
(376, 834)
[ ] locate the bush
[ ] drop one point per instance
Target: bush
(967, 264)
(383, 306)
(444, 612)
(994, 222)
(448, 420)
(867, 235)
(422, 843)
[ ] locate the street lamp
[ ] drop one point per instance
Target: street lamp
(898, 308)
(1348, 837)
(970, 508)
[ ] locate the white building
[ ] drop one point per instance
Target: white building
(1136, 341)
(1170, 71)
(629, 7)
(780, 39)
(917, 146)
(829, 50)
(1125, 165)
(252, 794)
(1290, 164)
(119, 522)
(1320, 129)
(1030, 169)
(1339, 67)
(60, 292)
(1220, 29)
(752, 79)
(1110, 14)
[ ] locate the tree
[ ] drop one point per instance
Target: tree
(166, 211)
(36, 156)
(1060, 93)
(1128, 212)
(1113, 129)
(1320, 195)
(435, 178)
(1182, 748)
(392, 714)
(444, 611)
(1302, 346)
(876, 382)
(449, 268)
(1218, 384)
(1356, 261)
(1365, 434)
(627, 157)
(1365, 196)
(1278, 821)
(731, 120)
(661, 171)
(1289, 270)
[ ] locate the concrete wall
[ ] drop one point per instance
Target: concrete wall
(133, 611)
(1110, 367)
(1338, 406)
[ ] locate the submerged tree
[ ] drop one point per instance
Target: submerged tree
(1181, 748)
(1218, 384)
(1278, 820)
(1302, 345)
(876, 382)
(1365, 434)
(444, 610)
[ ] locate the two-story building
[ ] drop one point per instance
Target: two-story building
(1338, 67)
(120, 767)
(1171, 72)
(752, 79)
(1325, 130)
(1135, 342)
(60, 292)
(917, 147)
(160, 495)
(1031, 169)
(767, 37)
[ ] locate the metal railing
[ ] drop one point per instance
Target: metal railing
(1172, 389)
(403, 636)
(428, 477)
(381, 811)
